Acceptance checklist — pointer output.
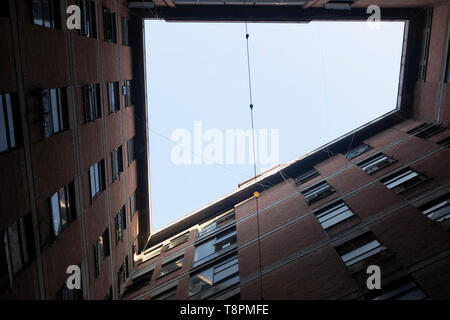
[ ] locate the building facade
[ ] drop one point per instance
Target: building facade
(379, 195)
(74, 170)
(71, 149)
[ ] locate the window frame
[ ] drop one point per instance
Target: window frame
(52, 19)
(437, 209)
(177, 241)
(101, 251)
(171, 266)
(338, 212)
(10, 122)
(425, 45)
(68, 208)
(214, 224)
(133, 204)
(97, 178)
(214, 246)
(217, 285)
(116, 163)
(356, 152)
(24, 252)
(113, 96)
(306, 176)
(363, 247)
(55, 111)
(109, 25)
(88, 19)
(125, 31)
(376, 163)
(317, 191)
(92, 102)
(131, 153)
(392, 180)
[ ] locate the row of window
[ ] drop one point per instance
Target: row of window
(46, 13)
(379, 160)
(97, 176)
(204, 230)
(355, 252)
(362, 251)
(16, 250)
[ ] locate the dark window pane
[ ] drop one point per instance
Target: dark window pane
(3, 134)
(14, 247)
(37, 12)
(9, 111)
(55, 111)
(46, 13)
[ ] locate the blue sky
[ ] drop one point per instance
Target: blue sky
(311, 82)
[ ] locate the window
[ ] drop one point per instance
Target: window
(46, 13)
(424, 47)
(359, 249)
(139, 282)
(168, 294)
(121, 224)
(55, 111)
(216, 223)
(113, 95)
(133, 204)
(101, 251)
(127, 93)
(438, 209)
(130, 148)
(306, 177)
(178, 240)
(375, 163)
(152, 252)
(121, 277)
(358, 151)
(214, 279)
(97, 178)
(116, 162)
(62, 207)
(88, 18)
(426, 131)
(403, 180)
(92, 106)
(171, 266)
(445, 142)
(9, 122)
(109, 25)
(333, 214)
(317, 192)
(215, 246)
(125, 23)
(17, 250)
(403, 289)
